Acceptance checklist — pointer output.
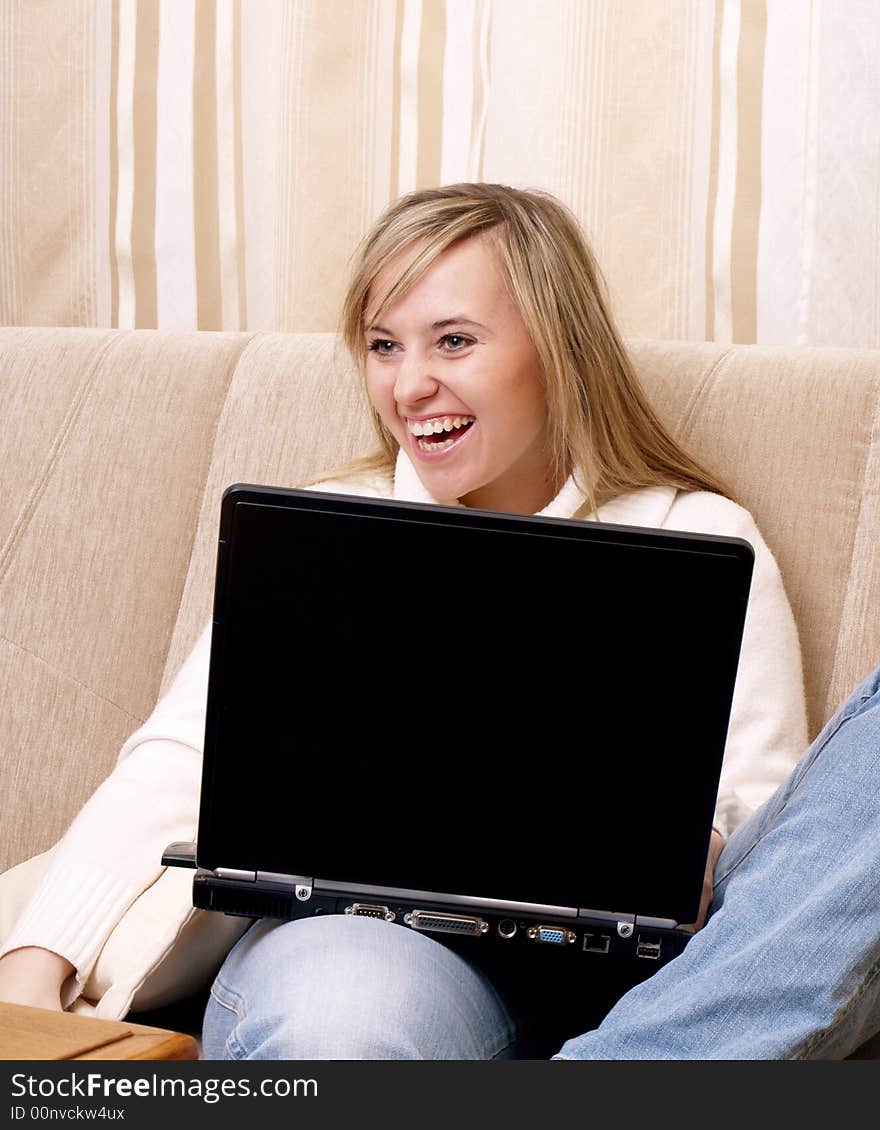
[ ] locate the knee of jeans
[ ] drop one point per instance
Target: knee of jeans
(327, 988)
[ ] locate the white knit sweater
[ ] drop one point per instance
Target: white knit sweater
(111, 852)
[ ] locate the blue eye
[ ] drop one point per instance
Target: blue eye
(382, 346)
(455, 342)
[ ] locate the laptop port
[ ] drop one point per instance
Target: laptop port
(506, 928)
(551, 935)
(370, 910)
(648, 946)
(446, 923)
(597, 943)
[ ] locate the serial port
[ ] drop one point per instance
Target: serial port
(370, 910)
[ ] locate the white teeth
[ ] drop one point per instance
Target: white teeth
(441, 445)
(437, 425)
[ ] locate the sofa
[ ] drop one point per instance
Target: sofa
(117, 445)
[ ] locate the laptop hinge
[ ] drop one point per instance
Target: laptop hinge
(302, 883)
(655, 923)
(625, 923)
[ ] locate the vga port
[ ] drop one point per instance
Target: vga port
(462, 924)
(370, 910)
(551, 935)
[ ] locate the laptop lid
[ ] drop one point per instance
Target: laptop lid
(453, 700)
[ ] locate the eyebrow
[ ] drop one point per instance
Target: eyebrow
(442, 324)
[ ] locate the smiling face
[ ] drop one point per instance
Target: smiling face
(455, 378)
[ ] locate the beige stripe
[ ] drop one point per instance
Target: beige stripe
(713, 172)
(205, 209)
(9, 166)
(330, 131)
(227, 221)
(125, 161)
(87, 258)
(100, 159)
(239, 167)
(479, 114)
(7, 85)
(114, 164)
(395, 102)
(143, 219)
(432, 44)
(747, 207)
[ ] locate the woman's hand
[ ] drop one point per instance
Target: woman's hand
(716, 844)
(33, 976)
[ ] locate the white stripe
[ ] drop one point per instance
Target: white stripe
(262, 40)
(226, 171)
(382, 86)
(125, 154)
(176, 304)
(810, 175)
(727, 156)
(458, 91)
(409, 96)
(786, 180)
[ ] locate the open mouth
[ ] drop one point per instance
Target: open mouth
(435, 436)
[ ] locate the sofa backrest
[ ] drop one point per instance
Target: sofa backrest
(117, 445)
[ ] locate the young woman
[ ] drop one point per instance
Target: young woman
(498, 380)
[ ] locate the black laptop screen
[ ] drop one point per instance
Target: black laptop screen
(435, 699)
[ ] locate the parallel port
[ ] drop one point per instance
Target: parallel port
(446, 923)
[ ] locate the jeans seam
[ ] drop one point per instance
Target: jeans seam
(231, 1045)
(809, 1045)
(718, 879)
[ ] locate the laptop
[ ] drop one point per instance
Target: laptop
(473, 724)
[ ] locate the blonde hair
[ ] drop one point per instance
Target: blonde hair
(601, 426)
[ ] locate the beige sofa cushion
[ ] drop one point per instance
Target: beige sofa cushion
(106, 442)
(796, 434)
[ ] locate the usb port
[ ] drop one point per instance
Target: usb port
(648, 946)
(597, 943)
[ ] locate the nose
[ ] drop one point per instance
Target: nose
(413, 380)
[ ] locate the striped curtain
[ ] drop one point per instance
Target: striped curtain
(212, 163)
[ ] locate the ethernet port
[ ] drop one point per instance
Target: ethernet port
(597, 942)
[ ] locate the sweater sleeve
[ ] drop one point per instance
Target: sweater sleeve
(112, 851)
(768, 723)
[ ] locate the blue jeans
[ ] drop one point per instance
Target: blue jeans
(787, 966)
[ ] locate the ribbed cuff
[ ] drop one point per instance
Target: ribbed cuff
(72, 913)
